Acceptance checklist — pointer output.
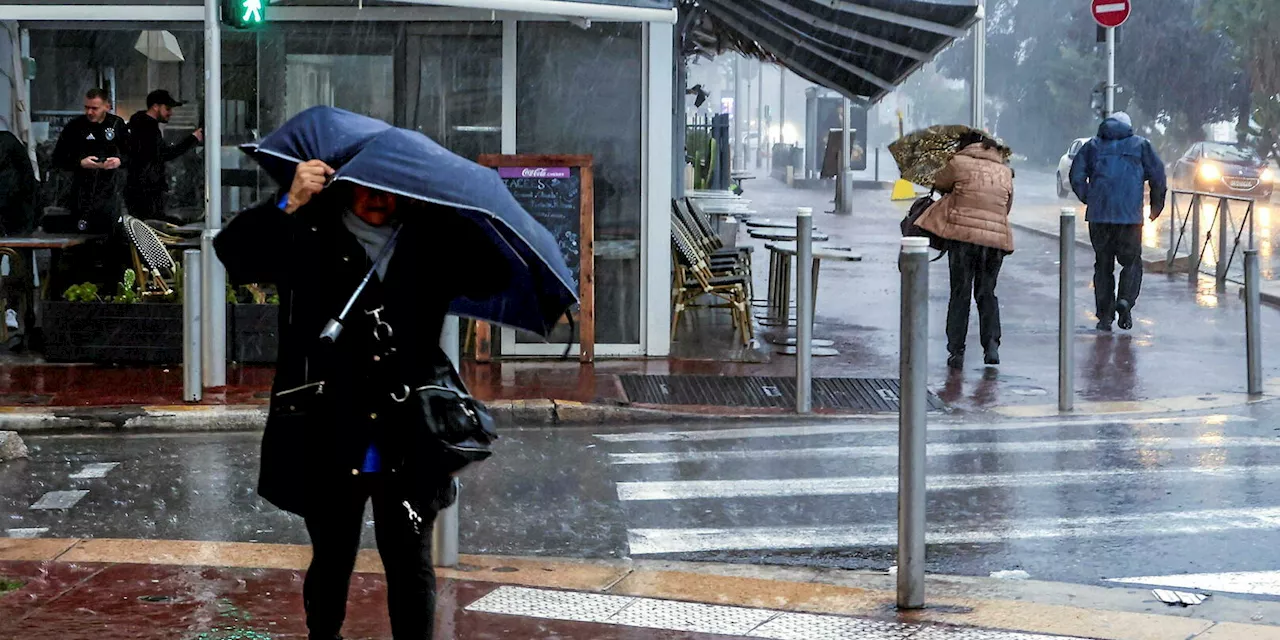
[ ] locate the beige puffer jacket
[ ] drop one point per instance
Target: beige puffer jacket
(979, 196)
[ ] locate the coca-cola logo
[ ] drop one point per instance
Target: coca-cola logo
(534, 172)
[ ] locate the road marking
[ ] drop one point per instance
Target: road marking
(95, 470)
(701, 435)
(59, 499)
(31, 532)
(945, 449)
(1259, 583)
(847, 486)
(694, 617)
(657, 541)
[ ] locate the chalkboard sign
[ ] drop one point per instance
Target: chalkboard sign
(553, 196)
(559, 192)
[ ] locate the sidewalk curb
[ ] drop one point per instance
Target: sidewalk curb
(205, 418)
(1027, 606)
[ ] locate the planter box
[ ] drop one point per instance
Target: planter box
(111, 333)
(150, 333)
(253, 333)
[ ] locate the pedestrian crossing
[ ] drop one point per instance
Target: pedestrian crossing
(1073, 500)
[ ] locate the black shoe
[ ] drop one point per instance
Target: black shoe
(1125, 310)
(992, 356)
(1104, 326)
(955, 361)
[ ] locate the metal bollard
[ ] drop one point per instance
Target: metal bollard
(213, 357)
(192, 386)
(804, 310)
(444, 536)
(1066, 309)
(1224, 227)
(1253, 320)
(913, 364)
(1193, 261)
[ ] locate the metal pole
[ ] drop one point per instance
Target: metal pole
(1111, 71)
(844, 198)
(978, 86)
(192, 391)
(1253, 320)
(444, 536)
(913, 365)
(1173, 228)
(782, 106)
(1224, 209)
(760, 132)
(1193, 261)
(804, 310)
(214, 287)
(877, 165)
(1250, 215)
(739, 111)
(1066, 310)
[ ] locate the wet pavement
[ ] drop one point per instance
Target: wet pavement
(1077, 500)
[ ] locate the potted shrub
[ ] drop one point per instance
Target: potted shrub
(88, 327)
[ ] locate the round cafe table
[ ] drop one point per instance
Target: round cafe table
(779, 302)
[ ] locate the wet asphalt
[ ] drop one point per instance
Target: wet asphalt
(1075, 501)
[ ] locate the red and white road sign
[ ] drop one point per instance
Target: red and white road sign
(1111, 13)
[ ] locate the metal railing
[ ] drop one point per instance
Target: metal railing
(1226, 229)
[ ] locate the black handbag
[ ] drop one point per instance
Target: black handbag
(449, 428)
(458, 429)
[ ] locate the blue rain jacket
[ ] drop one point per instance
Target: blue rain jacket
(1109, 171)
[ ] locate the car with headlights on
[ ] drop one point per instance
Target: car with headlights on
(1224, 169)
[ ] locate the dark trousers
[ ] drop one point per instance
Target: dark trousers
(974, 271)
(406, 555)
(1114, 243)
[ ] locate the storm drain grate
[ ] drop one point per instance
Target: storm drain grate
(856, 394)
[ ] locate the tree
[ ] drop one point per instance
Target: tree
(1043, 61)
(1254, 26)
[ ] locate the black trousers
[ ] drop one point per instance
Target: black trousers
(1114, 243)
(405, 551)
(974, 271)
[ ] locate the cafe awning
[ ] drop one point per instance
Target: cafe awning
(860, 48)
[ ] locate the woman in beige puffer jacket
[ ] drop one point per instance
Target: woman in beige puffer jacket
(973, 216)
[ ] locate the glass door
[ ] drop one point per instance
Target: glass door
(454, 85)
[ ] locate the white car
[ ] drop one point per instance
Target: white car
(1064, 167)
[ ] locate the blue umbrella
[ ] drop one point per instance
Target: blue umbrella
(372, 153)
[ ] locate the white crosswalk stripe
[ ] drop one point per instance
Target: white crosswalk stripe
(776, 489)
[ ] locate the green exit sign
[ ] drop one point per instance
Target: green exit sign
(244, 14)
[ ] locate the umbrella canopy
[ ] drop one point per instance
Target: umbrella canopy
(922, 154)
(406, 163)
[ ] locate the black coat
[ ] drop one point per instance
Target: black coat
(147, 181)
(94, 193)
(18, 187)
(329, 402)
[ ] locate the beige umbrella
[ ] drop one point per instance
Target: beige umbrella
(159, 46)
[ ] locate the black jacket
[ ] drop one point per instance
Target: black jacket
(329, 402)
(93, 190)
(148, 152)
(18, 187)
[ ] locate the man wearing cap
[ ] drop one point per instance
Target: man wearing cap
(1109, 175)
(147, 184)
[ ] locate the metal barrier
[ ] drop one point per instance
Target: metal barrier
(1066, 309)
(804, 310)
(913, 362)
(1226, 228)
(192, 382)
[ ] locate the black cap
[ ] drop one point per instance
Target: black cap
(160, 96)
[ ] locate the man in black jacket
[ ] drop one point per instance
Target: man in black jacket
(335, 437)
(147, 184)
(91, 147)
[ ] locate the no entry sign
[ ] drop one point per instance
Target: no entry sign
(1111, 13)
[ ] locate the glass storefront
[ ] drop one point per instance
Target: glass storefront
(577, 91)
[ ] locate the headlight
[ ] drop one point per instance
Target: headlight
(1268, 175)
(1210, 172)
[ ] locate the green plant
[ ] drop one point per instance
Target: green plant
(126, 291)
(86, 292)
(7, 585)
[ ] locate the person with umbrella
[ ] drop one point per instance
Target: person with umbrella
(339, 433)
(973, 216)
